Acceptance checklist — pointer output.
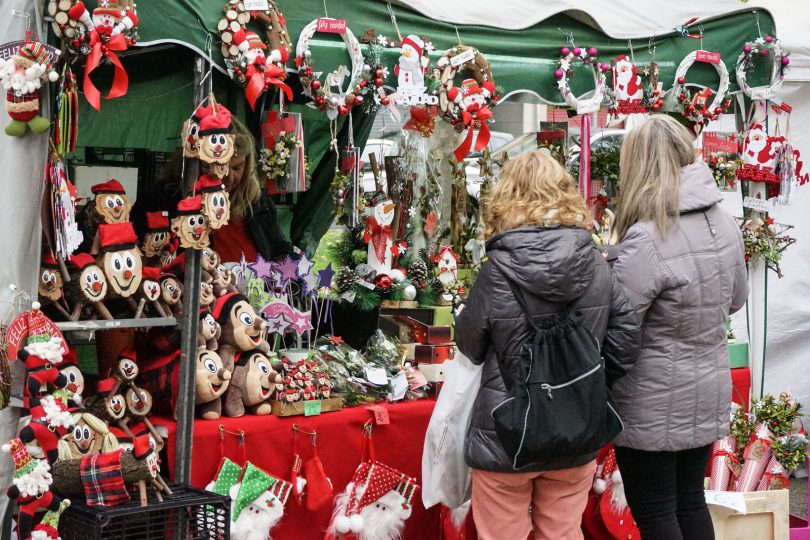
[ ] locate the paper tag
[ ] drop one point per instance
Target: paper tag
(463, 58)
(380, 415)
(256, 5)
(331, 26)
(418, 379)
(399, 386)
(708, 57)
(716, 144)
(729, 499)
(312, 408)
(760, 205)
(376, 375)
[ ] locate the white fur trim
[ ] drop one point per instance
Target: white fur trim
(35, 482)
(50, 350)
(6, 448)
(342, 524)
(599, 485)
(55, 415)
(357, 523)
(41, 535)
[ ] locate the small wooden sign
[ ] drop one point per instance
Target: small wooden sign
(708, 57)
(331, 26)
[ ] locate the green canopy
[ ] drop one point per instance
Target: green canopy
(161, 82)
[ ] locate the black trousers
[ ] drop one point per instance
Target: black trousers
(665, 492)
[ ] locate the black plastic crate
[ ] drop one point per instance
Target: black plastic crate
(188, 514)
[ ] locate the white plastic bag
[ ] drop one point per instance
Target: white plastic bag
(446, 477)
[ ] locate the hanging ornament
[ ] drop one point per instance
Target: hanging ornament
(66, 128)
(705, 105)
(588, 57)
(759, 155)
(769, 47)
(29, 67)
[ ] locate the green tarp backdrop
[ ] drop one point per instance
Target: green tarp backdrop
(161, 75)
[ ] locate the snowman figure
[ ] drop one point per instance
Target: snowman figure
(378, 234)
(410, 72)
(760, 148)
(447, 265)
(628, 86)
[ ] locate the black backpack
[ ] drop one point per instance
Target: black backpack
(559, 405)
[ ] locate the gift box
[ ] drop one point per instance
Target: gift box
(434, 354)
(760, 515)
(424, 333)
(738, 353)
(434, 373)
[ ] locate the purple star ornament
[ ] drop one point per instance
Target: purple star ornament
(288, 269)
(326, 276)
(262, 267)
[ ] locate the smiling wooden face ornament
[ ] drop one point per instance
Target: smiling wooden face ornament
(50, 282)
(120, 258)
(111, 202)
(191, 226)
(216, 205)
(216, 145)
(157, 233)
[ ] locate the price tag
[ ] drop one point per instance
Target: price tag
(759, 205)
(418, 379)
(729, 499)
(331, 26)
(376, 375)
(256, 5)
(463, 58)
(380, 415)
(708, 57)
(312, 407)
(399, 386)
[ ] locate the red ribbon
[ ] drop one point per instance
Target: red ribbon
(802, 179)
(600, 202)
(480, 114)
(723, 453)
(120, 79)
(767, 477)
(379, 235)
(259, 79)
(754, 438)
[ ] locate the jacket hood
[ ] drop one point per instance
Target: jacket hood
(554, 264)
(698, 188)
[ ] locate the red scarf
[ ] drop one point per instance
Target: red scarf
(474, 112)
(107, 48)
(379, 236)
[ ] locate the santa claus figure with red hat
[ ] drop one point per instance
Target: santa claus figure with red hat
(50, 421)
(627, 83)
(42, 357)
(48, 528)
(760, 148)
(260, 71)
(22, 76)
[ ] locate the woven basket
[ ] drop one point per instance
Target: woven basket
(5, 369)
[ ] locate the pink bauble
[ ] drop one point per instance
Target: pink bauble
(592, 51)
(785, 60)
(747, 48)
(768, 39)
(565, 51)
(577, 51)
(605, 68)
(764, 52)
(558, 74)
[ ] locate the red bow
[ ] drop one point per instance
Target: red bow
(378, 235)
(766, 443)
(422, 120)
(601, 202)
(120, 80)
(481, 114)
(260, 80)
(721, 452)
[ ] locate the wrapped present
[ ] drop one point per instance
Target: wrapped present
(724, 463)
(775, 476)
(756, 457)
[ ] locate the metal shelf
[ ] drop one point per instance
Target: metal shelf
(92, 326)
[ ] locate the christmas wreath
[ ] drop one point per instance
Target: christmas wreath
(564, 71)
(695, 107)
(767, 46)
(244, 50)
(333, 95)
(469, 106)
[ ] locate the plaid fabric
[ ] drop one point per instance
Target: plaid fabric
(102, 479)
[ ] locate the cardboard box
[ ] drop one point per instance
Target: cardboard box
(434, 354)
(297, 408)
(738, 353)
(425, 333)
(764, 516)
(434, 373)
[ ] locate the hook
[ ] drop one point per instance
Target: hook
(568, 35)
(313, 433)
(368, 427)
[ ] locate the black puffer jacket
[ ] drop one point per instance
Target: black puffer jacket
(554, 266)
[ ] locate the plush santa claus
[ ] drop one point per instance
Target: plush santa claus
(258, 504)
(50, 420)
(760, 148)
(471, 96)
(22, 76)
(410, 71)
(627, 82)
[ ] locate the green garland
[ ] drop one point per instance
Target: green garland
(741, 428)
(778, 414)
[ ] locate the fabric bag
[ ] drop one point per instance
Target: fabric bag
(446, 477)
(559, 404)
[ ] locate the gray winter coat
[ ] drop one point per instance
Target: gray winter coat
(554, 267)
(678, 394)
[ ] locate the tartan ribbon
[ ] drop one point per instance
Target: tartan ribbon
(106, 48)
(474, 113)
(103, 480)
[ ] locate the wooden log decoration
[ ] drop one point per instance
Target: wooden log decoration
(67, 478)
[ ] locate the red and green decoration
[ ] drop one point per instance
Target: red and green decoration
(699, 107)
(765, 240)
(762, 47)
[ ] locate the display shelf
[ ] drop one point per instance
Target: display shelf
(80, 326)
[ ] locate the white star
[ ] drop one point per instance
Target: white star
(382, 40)
(429, 47)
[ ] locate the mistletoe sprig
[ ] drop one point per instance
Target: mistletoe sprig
(275, 162)
(766, 240)
(792, 450)
(741, 428)
(779, 414)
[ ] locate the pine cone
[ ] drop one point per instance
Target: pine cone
(436, 285)
(418, 272)
(345, 279)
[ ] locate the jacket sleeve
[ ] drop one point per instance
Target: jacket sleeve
(741, 288)
(639, 270)
(622, 341)
(472, 324)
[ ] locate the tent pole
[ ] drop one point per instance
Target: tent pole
(188, 341)
(757, 307)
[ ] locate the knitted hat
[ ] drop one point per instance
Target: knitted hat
(117, 236)
(35, 51)
(247, 40)
(216, 123)
(48, 528)
(151, 272)
(378, 197)
(415, 42)
(49, 262)
(190, 206)
(80, 261)
(224, 304)
(23, 462)
(470, 87)
(208, 184)
(254, 482)
(157, 221)
(110, 186)
(108, 7)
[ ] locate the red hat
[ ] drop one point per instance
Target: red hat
(142, 448)
(157, 221)
(48, 261)
(177, 266)
(111, 186)
(105, 385)
(117, 236)
(415, 42)
(120, 435)
(220, 122)
(70, 358)
(151, 272)
(208, 184)
(80, 261)
(128, 353)
(224, 304)
(167, 275)
(201, 112)
(110, 7)
(190, 206)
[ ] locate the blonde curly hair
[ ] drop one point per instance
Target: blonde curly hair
(534, 189)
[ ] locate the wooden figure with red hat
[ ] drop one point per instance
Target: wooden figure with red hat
(242, 329)
(50, 285)
(50, 421)
(31, 487)
(125, 373)
(138, 407)
(89, 435)
(150, 293)
(107, 405)
(87, 286)
(252, 384)
(75, 378)
(211, 381)
(109, 205)
(171, 294)
(191, 130)
(22, 76)
(120, 258)
(208, 332)
(216, 203)
(191, 226)
(143, 452)
(216, 144)
(157, 234)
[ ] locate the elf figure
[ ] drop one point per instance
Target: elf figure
(30, 487)
(410, 71)
(22, 77)
(157, 233)
(48, 528)
(378, 234)
(216, 205)
(171, 294)
(42, 357)
(628, 84)
(759, 148)
(191, 226)
(216, 144)
(258, 504)
(50, 421)
(120, 258)
(374, 505)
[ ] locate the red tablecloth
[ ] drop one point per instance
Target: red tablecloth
(269, 441)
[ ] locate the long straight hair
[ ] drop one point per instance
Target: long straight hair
(651, 160)
(249, 190)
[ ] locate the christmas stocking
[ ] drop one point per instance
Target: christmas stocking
(318, 486)
(258, 503)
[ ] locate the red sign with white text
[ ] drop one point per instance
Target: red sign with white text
(332, 26)
(708, 57)
(716, 144)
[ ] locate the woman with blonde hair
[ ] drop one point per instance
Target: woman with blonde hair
(538, 238)
(681, 264)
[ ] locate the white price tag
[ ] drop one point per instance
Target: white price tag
(760, 205)
(256, 5)
(376, 375)
(463, 58)
(729, 499)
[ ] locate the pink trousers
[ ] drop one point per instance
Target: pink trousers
(508, 506)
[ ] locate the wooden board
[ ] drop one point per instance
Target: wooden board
(281, 408)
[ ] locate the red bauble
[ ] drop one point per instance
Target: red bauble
(385, 101)
(319, 100)
(383, 282)
(681, 80)
(363, 84)
(379, 81)
(315, 85)
(379, 72)
(656, 107)
(358, 100)
(342, 110)
(718, 110)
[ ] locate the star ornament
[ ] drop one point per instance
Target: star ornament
(301, 322)
(311, 282)
(304, 266)
(262, 267)
(288, 269)
(326, 276)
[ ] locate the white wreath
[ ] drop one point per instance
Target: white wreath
(582, 106)
(335, 79)
(722, 89)
(775, 54)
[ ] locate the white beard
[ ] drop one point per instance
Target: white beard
(50, 350)
(256, 520)
(383, 519)
(35, 482)
(54, 415)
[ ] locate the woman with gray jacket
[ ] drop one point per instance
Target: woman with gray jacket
(681, 263)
